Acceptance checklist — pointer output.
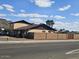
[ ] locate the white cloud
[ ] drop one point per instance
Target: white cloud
(75, 14)
(36, 15)
(8, 7)
(51, 16)
(1, 15)
(59, 17)
(37, 20)
(72, 26)
(43, 3)
(1, 7)
(30, 15)
(64, 8)
(6, 18)
(22, 10)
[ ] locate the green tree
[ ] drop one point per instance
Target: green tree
(50, 23)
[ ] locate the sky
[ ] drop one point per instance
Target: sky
(65, 13)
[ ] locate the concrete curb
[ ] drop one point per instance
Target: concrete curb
(36, 41)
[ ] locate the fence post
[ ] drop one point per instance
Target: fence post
(57, 36)
(7, 39)
(46, 36)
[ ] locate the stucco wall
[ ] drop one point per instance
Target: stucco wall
(38, 31)
(18, 25)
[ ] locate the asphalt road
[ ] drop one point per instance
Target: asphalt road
(39, 51)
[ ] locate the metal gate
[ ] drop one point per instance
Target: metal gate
(70, 36)
(30, 35)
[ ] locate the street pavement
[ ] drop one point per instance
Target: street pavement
(49, 50)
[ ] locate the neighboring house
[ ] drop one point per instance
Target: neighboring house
(37, 28)
(29, 31)
(19, 24)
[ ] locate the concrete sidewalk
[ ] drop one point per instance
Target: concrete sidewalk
(13, 40)
(36, 41)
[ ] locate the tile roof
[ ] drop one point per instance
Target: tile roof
(22, 21)
(40, 26)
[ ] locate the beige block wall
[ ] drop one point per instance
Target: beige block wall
(76, 36)
(52, 36)
(18, 25)
(62, 36)
(39, 36)
(49, 36)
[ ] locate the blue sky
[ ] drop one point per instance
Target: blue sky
(65, 13)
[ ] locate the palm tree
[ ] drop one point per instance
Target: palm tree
(50, 23)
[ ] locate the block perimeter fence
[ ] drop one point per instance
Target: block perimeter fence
(52, 36)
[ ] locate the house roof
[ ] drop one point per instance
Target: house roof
(21, 21)
(38, 26)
